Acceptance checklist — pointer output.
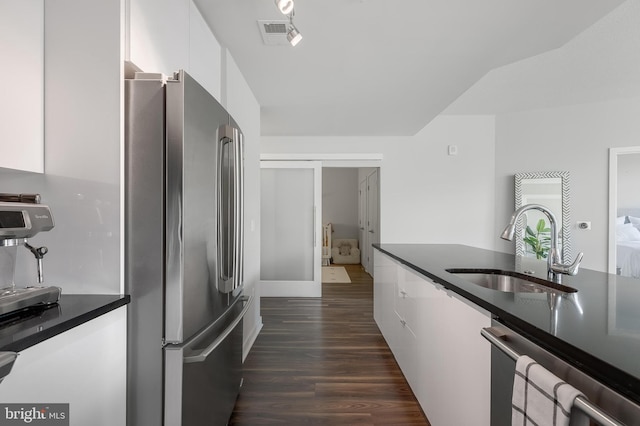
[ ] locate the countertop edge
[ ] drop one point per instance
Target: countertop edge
(67, 324)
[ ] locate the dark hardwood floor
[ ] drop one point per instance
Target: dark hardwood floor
(323, 361)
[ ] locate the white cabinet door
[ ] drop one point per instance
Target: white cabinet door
(462, 368)
(415, 306)
(205, 60)
(22, 106)
(159, 35)
(435, 338)
(384, 287)
(84, 367)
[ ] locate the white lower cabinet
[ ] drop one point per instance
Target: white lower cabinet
(434, 335)
(84, 367)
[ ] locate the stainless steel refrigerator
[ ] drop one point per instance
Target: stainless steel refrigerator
(183, 251)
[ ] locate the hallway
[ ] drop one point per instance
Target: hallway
(323, 361)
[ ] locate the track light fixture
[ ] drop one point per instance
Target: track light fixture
(285, 6)
(293, 35)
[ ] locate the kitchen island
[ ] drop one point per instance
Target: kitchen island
(597, 330)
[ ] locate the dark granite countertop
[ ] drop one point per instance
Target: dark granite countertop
(597, 330)
(21, 330)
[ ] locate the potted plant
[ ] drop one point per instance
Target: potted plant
(538, 240)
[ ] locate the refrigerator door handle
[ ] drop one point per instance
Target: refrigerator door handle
(204, 353)
(230, 207)
(239, 207)
(225, 207)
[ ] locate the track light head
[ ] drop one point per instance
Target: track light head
(285, 6)
(294, 35)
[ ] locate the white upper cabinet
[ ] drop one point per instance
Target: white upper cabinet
(172, 35)
(204, 53)
(159, 35)
(22, 105)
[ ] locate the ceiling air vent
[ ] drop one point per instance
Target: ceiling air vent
(274, 33)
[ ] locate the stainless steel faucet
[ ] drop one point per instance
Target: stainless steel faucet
(555, 267)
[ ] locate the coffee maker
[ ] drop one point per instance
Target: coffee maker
(21, 218)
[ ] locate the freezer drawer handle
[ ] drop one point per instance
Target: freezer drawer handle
(203, 354)
(497, 339)
(6, 363)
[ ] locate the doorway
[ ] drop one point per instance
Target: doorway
(350, 213)
(276, 283)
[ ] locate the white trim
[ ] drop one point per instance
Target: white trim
(290, 288)
(323, 157)
(613, 198)
(250, 339)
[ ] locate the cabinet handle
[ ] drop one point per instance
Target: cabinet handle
(404, 294)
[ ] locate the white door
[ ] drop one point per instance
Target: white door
(373, 234)
(362, 219)
(290, 247)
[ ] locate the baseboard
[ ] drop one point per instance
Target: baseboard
(290, 289)
(251, 338)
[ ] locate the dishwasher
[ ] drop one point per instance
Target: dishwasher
(602, 405)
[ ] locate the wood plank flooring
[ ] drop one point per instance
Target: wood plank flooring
(324, 362)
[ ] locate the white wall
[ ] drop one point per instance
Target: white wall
(562, 110)
(340, 201)
(426, 196)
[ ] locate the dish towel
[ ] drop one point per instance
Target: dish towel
(539, 397)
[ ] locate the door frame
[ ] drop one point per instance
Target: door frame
(349, 160)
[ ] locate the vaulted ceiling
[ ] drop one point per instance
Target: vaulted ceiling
(374, 67)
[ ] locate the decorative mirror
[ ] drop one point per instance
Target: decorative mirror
(550, 189)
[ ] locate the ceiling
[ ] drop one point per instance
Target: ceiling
(382, 68)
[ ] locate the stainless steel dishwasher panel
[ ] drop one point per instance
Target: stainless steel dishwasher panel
(502, 373)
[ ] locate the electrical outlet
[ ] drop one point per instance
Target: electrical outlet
(584, 225)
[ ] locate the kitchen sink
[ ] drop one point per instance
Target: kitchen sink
(509, 281)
